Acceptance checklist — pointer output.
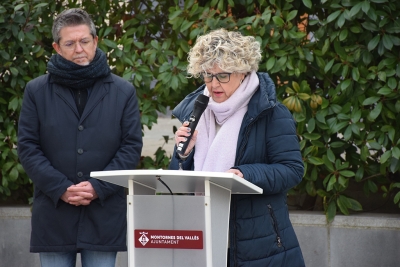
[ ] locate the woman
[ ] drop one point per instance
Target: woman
(246, 131)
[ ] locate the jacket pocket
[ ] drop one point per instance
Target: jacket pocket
(275, 225)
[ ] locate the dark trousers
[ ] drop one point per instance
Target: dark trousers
(228, 257)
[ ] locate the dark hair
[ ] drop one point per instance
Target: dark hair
(72, 17)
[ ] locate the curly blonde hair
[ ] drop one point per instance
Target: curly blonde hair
(229, 50)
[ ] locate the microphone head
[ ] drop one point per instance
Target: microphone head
(201, 102)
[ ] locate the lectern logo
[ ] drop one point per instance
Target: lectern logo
(143, 239)
(169, 239)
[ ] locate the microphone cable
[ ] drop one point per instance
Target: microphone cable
(159, 179)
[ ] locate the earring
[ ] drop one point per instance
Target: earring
(242, 79)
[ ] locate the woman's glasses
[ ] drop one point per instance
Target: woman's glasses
(222, 77)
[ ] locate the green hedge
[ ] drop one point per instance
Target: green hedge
(335, 63)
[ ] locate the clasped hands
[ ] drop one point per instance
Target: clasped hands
(79, 194)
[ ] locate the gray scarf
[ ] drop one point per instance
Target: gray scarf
(74, 76)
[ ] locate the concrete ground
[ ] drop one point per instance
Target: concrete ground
(362, 240)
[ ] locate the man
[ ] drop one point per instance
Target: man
(77, 119)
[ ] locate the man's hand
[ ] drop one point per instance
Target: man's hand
(79, 194)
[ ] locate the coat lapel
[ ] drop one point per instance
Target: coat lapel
(99, 91)
(66, 95)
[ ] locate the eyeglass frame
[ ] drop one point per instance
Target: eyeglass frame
(72, 46)
(216, 77)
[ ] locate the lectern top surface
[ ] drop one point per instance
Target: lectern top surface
(178, 181)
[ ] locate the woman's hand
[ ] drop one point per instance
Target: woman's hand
(182, 134)
(236, 171)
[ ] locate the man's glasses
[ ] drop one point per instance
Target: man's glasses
(70, 45)
(222, 77)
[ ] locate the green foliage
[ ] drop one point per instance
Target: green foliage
(23, 53)
(392, 188)
(335, 63)
(347, 105)
(160, 160)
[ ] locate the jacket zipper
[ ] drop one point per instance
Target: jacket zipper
(241, 151)
(234, 235)
(79, 97)
(275, 224)
(245, 140)
(248, 127)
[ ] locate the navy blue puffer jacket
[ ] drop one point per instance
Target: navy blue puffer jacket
(268, 155)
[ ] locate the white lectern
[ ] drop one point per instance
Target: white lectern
(179, 230)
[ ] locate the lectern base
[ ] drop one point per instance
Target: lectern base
(174, 213)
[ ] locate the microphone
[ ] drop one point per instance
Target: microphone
(199, 106)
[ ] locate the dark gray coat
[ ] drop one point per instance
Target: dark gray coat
(58, 149)
(268, 155)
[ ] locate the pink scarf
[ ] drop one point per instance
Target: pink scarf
(217, 151)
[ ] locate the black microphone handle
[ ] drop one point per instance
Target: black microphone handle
(199, 107)
(182, 146)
